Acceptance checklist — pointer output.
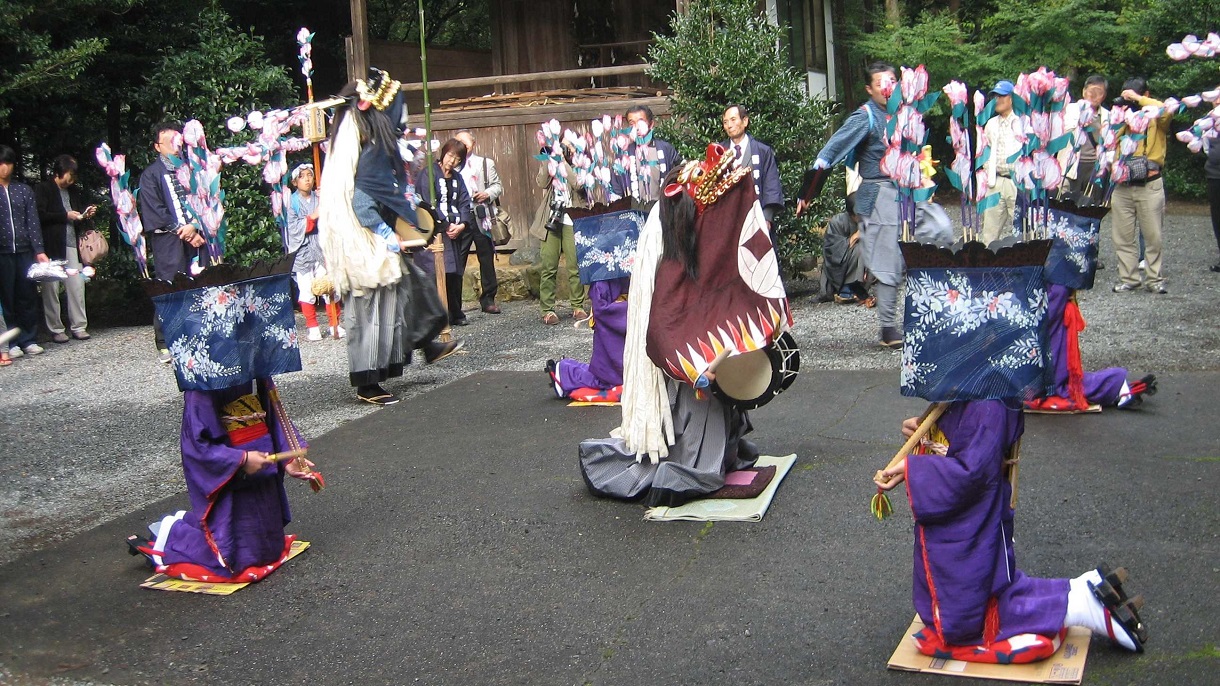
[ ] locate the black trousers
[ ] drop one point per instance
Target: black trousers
(486, 252)
(453, 280)
(19, 296)
(1213, 198)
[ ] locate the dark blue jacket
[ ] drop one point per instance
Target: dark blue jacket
(766, 175)
(162, 207)
(20, 230)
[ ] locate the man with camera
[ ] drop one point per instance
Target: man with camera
(1001, 132)
(553, 227)
(483, 183)
(1141, 197)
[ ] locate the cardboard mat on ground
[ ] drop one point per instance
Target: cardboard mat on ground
(1066, 666)
(161, 582)
(728, 510)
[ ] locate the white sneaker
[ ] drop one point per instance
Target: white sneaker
(1143, 265)
(164, 356)
(338, 332)
(315, 334)
(33, 349)
(15, 352)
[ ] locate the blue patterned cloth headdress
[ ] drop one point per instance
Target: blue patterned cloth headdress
(228, 325)
(973, 322)
(1076, 233)
(606, 238)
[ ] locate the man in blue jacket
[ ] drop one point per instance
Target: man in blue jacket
(173, 240)
(20, 246)
(758, 157)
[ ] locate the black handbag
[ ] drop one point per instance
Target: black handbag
(429, 316)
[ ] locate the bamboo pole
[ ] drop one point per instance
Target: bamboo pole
(438, 244)
(926, 420)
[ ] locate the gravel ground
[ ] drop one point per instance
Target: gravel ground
(90, 429)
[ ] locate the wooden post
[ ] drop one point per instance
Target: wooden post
(358, 57)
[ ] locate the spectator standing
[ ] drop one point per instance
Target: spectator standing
(758, 157)
(20, 246)
(63, 215)
(455, 219)
(173, 240)
(1140, 203)
(1212, 171)
(553, 227)
(1078, 175)
(303, 240)
(1001, 133)
(483, 185)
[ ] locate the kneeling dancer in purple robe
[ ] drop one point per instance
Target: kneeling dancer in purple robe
(975, 603)
(229, 330)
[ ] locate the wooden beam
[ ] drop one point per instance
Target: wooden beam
(358, 52)
(534, 76)
(509, 116)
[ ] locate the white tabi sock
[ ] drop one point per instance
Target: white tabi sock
(1084, 609)
(1124, 395)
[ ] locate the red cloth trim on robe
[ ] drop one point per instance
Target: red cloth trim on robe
(245, 434)
(1019, 649)
(192, 572)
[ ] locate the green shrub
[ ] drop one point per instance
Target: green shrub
(713, 58)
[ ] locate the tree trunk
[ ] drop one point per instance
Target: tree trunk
(893, 13)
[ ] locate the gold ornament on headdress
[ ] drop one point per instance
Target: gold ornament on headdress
(379, 90)
(710, 178)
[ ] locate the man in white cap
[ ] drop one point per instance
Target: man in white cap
(1001, 132)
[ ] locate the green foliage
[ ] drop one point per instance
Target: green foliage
(36, 56)
(220, 73)
(714, 57)
(452, 23)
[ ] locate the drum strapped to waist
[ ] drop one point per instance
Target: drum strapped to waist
(750, 380)
(416, 236)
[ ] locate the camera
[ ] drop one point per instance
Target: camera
(480, 212)
(1123, 102)
(554, 223)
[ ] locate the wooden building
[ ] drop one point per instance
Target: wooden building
(544, 64)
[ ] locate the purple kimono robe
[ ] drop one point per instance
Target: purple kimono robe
(965, 567)
(605, 368)
(236, 519)
(1101, 387)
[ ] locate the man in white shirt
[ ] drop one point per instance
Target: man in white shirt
(1002, 132)
(1077, 176)
(483, 183)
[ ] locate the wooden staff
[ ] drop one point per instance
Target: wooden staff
(880, 503)
(926, 420)
(1014, 469)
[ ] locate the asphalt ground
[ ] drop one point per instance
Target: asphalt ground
(457, 545)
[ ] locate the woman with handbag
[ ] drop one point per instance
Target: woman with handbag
(65, 220)
(454, 216)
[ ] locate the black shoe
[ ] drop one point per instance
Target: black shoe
(552, 371)
(491, 308)
(374, 394)
(891, 337)
(1100, 264)
(1214, 268)
(135, 542)
(460, 321)
(435, 352)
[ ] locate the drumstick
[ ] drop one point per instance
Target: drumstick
(287, 455)
(926, 420)
(720, 356)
